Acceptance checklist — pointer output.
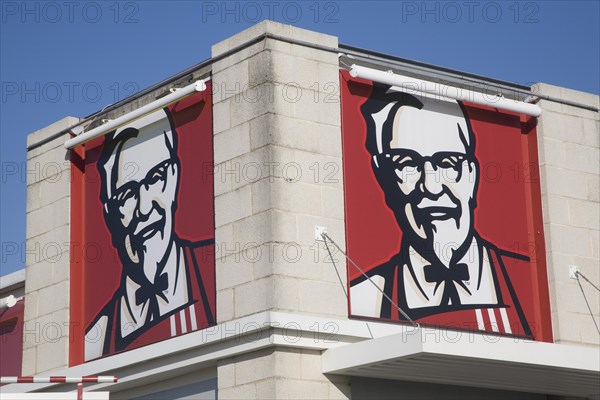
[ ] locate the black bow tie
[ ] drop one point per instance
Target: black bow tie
(149, 293)
(438, 273)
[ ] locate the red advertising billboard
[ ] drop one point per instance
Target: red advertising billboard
(443, 212)
(142, 231)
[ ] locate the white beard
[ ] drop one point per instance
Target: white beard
(447, 238)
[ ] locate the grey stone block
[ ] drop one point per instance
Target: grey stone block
(50, 130)
(274, 28)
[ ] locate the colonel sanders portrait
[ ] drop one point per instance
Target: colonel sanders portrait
(162, 291)
(423, 157)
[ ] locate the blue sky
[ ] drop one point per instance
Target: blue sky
(73, 58)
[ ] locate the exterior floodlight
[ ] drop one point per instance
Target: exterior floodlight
(198, 86)
(8, 302)
(417, 85)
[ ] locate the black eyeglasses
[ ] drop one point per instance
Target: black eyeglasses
(409, 164)
(132, 188)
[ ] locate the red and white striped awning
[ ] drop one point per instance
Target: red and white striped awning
(58, 379)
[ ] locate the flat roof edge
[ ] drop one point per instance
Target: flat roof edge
(433, 68)
(12, 280)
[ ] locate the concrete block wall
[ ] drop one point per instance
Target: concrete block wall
(278, 173)
(278, 373)
(570, 173)
(46, 319)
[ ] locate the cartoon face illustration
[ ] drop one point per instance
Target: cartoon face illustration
(425, 163)
(141, 176)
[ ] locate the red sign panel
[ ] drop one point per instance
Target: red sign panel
(443, 213)
(143, 232)
(11, 339)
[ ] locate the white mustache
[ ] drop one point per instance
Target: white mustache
(443, 201)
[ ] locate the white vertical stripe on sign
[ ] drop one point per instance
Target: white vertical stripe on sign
(493, 322)
(193, 318)
(173, 328)
(183, 322)
(505, 320)
(480, 324)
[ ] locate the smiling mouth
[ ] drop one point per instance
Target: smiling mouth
(439, 213)
(150, 230)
